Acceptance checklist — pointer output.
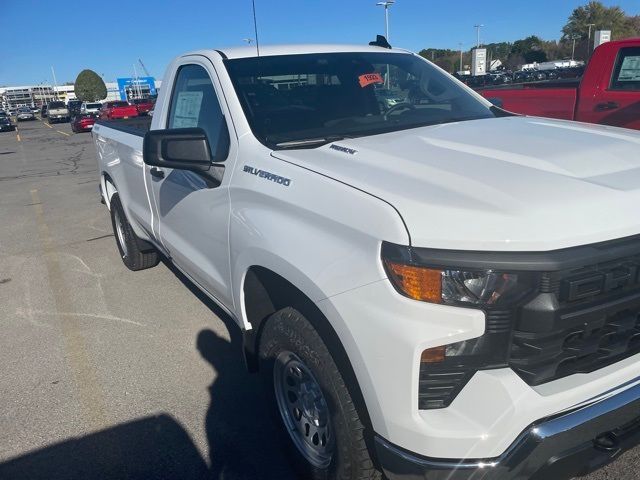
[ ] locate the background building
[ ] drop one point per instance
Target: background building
(126, 88)
(26, 96)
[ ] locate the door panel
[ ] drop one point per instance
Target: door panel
(619, 103)
(193, 212)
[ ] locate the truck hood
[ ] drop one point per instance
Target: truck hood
(513, 183)
(58, 111)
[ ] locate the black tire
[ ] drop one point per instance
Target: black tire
(288, 333)
(127, 241)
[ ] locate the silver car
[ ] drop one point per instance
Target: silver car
(25, 113)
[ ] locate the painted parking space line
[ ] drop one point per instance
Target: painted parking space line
(63, 133)
(18, 136)
(47, 125)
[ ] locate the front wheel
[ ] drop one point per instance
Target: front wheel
(319, 421)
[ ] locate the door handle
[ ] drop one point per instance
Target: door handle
(156, 172)
(607, 106)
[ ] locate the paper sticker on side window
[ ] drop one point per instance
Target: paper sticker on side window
(187, 110)
(369, 78)
(630, 69)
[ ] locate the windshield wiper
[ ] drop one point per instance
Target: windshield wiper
(310, 142)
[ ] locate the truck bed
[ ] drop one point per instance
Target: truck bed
(554, 99)
(135, 126)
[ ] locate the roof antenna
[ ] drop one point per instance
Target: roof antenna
(255, 27)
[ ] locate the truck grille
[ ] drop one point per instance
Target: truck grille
(582, 320)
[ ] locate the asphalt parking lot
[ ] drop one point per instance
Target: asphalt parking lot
(108, 373)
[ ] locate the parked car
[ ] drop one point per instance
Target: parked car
(35, 109)
(91, 107)
(6, 125)
(143, 105)
(608, 93)
(117, 109)
(447, 290)
(25, 113)
(57, 112)
(83, 122)
(74, 107)
(43, 111)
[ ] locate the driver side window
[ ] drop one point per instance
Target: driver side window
(194, 103)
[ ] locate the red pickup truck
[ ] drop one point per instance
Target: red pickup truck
(117, 109)
(608, 93)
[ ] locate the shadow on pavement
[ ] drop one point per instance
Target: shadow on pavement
(242, 440)
(147, 449)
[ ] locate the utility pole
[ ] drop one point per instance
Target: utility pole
(460, 45)
(589, 39)
(573, 50)
(478, 27)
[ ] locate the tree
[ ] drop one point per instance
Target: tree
(603, 18)
(89, 87)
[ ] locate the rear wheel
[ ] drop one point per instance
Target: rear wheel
(128, 243)
(318, 418)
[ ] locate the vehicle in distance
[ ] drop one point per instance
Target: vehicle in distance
(35, 109)
(608, 93)
(143, 105)
(82, 122)
(43, 111)
(117, 109)
(91, 107)
(427, 287)
(74, 107)
(25, 113)
(57, 112)
(6, 125)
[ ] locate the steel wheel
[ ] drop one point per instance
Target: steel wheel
(303, 409)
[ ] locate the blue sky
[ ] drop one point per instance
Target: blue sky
(111, 39)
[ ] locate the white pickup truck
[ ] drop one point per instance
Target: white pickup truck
(431, 288)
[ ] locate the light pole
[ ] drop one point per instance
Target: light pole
(589, 38)
(478, 27)
(386, 6)
(460, 45)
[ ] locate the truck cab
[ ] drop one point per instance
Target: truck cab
(427, 284)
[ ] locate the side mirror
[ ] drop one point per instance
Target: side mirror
(496, 102)
(181, 148)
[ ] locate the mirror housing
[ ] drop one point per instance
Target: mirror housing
(497, 102)
(181, 148)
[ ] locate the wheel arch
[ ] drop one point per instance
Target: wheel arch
(108, 186)
(264, 293)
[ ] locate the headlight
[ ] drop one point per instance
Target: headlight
(453, 286)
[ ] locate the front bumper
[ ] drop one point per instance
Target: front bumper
(572, 443)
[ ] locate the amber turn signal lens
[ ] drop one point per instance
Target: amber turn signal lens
(419, 283)
(433, 355)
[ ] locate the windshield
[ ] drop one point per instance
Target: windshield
(93, 105)
(292, 98)
(57, 105)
